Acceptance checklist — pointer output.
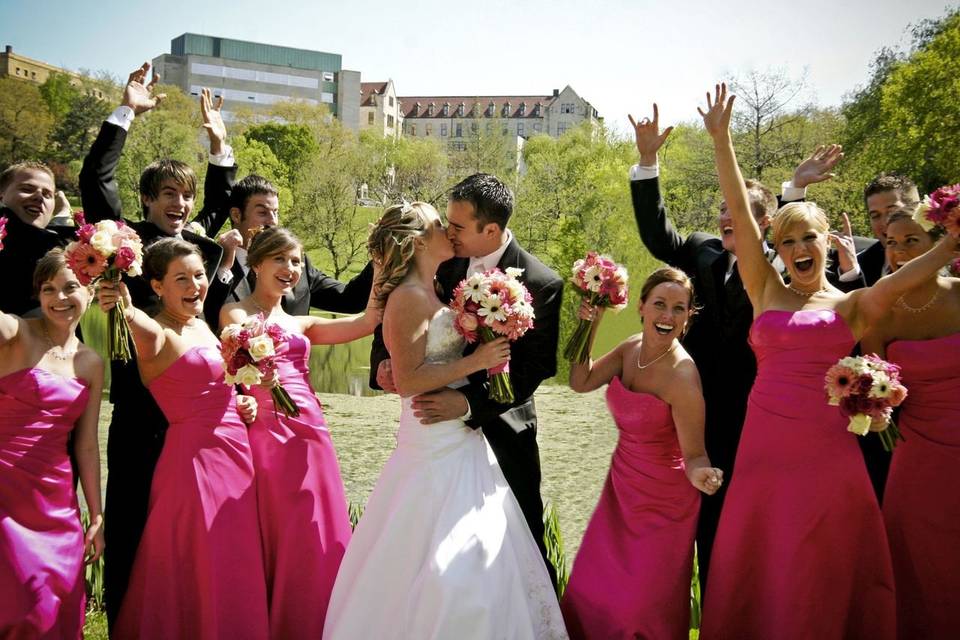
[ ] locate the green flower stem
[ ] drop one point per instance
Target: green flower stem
(283, 401)
(576, 349)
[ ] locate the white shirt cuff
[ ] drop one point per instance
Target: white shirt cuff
(225, 275)
(468, 414)
(122, 116)
(790, 193)
(640, 172)
(223, 159)
(851, 275)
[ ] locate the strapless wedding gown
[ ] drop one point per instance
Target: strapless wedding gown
(442, 550)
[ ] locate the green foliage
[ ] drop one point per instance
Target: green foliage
(355, 512)
(555, 551)
(93, 573)
(255, 157)
(291, 144)
(77, 129)
(25, 121)
(59, 94)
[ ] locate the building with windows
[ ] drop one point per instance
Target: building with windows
(257, 76)
(449, 117)
(14, 65)
(380, 108)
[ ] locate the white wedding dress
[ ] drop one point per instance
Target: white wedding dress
(442, 550)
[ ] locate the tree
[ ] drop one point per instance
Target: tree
(25, 121)
(256, 157)
(488, 146)
(76, 131)
(290, 143)
(59, 93)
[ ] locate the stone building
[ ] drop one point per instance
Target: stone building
(380, 108)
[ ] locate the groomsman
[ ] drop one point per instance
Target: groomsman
(27, 193)
(885, 194)
(167, 191)
(717, 338)
(478, 211)
(254, 204)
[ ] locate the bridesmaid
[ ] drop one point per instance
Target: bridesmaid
(50, 386)
(631, 578)
(921, 505)
(300, 495)
(197, 573)
(801, 550)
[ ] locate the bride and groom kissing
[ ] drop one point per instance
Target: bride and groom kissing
(453, 529)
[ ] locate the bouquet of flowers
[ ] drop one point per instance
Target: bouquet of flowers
(604, 283)
(489, 305)
(941, 208)
(3, 230)
(866, 388)
(249, 354)
(104, 251)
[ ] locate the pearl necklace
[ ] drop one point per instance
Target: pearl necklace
(62, 354)
(659, 357)
(906, 307)
(806, 294)
(266, 314)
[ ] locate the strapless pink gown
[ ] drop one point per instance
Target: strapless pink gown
(921, 504)
(801, 550)
(302, 504)
(41, 541)
(631, 578)
(198, 571)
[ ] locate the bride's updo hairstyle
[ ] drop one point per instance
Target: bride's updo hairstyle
(392, 242)
(269, 242)
(798, 212)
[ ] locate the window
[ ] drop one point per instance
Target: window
(523, 108)
(519, 128)
(443, 130)
(370, 117)
(391, 101)
(460, 110)
(458, 146)
(429, 129)
(18, 70)
(324, 97)
(328, 76)
(430, 109)
(561, 128)
(537, 127)
(390, 122)
(459, 133)
(474, 127)
(413, 130)
(567, 107)
(446, 110)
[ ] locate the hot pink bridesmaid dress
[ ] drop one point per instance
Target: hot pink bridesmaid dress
(301, 500)
(921, 504)
(801, 551)
(198, 571)
(631, 578)
(41, 541)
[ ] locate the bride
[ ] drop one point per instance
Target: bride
(442, 550)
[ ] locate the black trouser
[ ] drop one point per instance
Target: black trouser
(877, 461)
(133, 447)
(519, 459)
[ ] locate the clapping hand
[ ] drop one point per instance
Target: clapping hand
(716, 119)
(648, 136)
(818, 166)
(138, 96)
(707, 479)
(213, 120)
(846, 250)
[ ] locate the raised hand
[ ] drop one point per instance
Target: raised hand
(139, 96)
(589, 312)
(716, 119)
(109, 293)
(213, 120)
(818, 166)
(648, 136)
(843, 241)
(229, 240)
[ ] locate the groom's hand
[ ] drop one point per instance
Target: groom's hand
(437, 406)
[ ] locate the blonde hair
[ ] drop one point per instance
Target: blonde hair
(392, 243)
(798, 212)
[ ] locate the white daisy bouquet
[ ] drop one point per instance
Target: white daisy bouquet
(867, 388)
(489, 305)
(249, 351)
(604, 283)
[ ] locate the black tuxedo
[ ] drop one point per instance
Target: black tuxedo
(871, 258)
(137, 427)
(22, 249)
(511, 430)
(314, 289)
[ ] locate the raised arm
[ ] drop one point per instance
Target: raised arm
(148, 336)
(221, 171)
(685, 397)
(592, 375)
(405, 331)
(87, 451)
(9, 328)
(755, 270)
(329, 294)
(339, 330)
(98, 183)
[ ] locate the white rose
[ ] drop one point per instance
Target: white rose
(102, 242)
(261, 347)
(107, 225)
(514, 272)
(248, 375)
(859, 424)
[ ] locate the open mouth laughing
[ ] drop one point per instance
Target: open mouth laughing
(803, 265)
(663, 328)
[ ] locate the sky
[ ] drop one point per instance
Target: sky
(620, 55)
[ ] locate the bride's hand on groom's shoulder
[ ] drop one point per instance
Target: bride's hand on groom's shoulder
(491, 354)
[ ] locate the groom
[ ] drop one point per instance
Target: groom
(478, 211)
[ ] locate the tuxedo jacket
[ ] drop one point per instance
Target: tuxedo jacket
(871, 258)
(101, 201)
(511, 429)
(22, 249)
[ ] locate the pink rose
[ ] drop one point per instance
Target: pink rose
(85, 232)
(124, 258)
(468, 321)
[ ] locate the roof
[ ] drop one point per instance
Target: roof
(370, 89)
(408, 105)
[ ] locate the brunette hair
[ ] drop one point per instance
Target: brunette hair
(159, 255)
(6, 178)
(667, 274)
(762, 201)
(156, 172)
(909, 213)
(884, 182)
(250, 186)
(391, 243)
(492, 199)
(48, 267)
(270, 241)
